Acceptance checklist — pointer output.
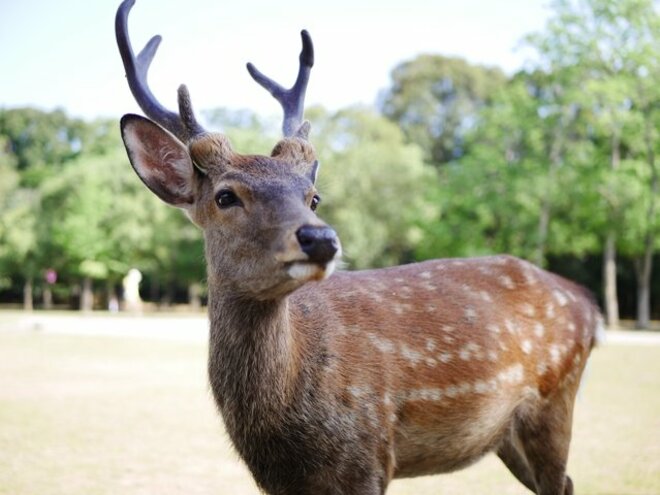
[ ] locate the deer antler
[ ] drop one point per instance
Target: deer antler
(183, 125)
(293, 99)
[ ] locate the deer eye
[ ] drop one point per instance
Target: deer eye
(315, 202)
(226, 198)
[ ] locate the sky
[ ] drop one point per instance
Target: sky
(62, 54)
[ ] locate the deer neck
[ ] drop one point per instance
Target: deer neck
(252, 358)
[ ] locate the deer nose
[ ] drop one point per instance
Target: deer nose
(319, 243)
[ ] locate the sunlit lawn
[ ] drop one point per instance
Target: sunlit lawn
(108, 415)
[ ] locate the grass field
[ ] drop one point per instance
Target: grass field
(93, 415)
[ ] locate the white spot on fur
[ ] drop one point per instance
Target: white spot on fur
(431, 308)
(425, 275)
(470, 314)
(410, 354)
(560, 297)
(464, 388)
(513, 374)
(382, 344)
(359, 391)
(485, 296)
(377, 297)
(447, 328)
(492, 355)
(432, 394)
(481, 387)
(539, 329)
(571, 326)
(527, 346)
(430, 345)
(451, 391)
(511, 326)
(550, 310)
(445, 357)
(448, 339)
(529, 275)
(507, 282)
(541, 367)
(527, 309)
(485, 270)
(405, 292)
(555, 353)
(470, 350)
(493, 328)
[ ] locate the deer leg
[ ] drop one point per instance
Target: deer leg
(545, 438)
(516, 463)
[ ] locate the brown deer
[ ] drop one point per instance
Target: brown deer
(338, 384)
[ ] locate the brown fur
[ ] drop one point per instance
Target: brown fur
(341, 385)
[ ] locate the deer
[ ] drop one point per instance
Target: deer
(337, 382)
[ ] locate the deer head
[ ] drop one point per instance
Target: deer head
(250, 207)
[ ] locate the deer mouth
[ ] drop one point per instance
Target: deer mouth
(305, 271)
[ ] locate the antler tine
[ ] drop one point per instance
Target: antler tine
(136, 73)
(292, 100)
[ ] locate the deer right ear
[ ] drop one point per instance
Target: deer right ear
(161, 161)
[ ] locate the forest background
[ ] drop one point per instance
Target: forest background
(556, 163)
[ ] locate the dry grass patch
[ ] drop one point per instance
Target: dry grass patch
(103, 415)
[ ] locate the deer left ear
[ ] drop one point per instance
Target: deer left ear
(160, 160)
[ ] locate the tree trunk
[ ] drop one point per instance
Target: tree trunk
(544, 223)
(555, 155)
(609, 282)
(195, 296)
(28, 304)
(87, 296)
(113, 300)
(154, 288)
(609, 254)
(644, 265)
(47, 297)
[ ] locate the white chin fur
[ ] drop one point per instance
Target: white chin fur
(303, 271)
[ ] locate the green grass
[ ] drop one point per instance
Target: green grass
(103, 415)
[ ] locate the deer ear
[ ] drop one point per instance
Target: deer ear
(314, 171)
(159, 159)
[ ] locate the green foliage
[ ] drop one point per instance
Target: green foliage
(372, 185)
(463, 161)
(436, 100)
(606, 54)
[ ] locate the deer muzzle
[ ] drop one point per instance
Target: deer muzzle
(319, 243)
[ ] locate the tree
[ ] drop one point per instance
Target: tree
(17, 225)
(436, 101)
(39, 146)
(611, 49)
(372, 185)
